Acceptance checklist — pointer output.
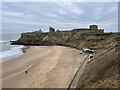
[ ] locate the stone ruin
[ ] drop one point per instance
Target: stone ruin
(95, 28)
(51, 29)
(91, 27)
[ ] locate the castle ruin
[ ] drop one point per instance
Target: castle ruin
(95, 28)
(51, 29)
(92, 28)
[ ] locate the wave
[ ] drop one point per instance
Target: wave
(2, 41)
(7, 42)
(13, 52)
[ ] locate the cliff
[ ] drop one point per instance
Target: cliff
(74, 38)
(100, 72)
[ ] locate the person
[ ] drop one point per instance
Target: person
(26, 71)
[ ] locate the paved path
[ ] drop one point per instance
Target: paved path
(78, 74)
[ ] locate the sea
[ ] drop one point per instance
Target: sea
(8, 51)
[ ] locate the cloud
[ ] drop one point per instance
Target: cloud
(28, 16)
(60, 1)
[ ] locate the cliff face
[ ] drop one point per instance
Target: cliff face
(75, 38)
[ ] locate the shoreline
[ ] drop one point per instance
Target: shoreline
(21, 50)
(55, 60)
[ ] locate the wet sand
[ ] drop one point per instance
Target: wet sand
(42, 67)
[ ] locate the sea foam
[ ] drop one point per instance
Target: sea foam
(3, 41)
(13, 52)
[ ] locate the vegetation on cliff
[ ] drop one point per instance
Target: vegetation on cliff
(73, 38)
(102, 72)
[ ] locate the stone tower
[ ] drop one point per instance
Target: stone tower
(93, 27)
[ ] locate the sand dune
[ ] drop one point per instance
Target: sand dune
(42, 67)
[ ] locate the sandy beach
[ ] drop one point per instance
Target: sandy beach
(42, 67)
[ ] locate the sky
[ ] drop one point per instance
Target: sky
(18, 17)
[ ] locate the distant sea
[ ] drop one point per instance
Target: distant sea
(8, 51)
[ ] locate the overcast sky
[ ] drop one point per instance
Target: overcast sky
(28, 16)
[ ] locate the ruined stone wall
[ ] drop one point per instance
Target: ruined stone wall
(51, 29)
(94, 27)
